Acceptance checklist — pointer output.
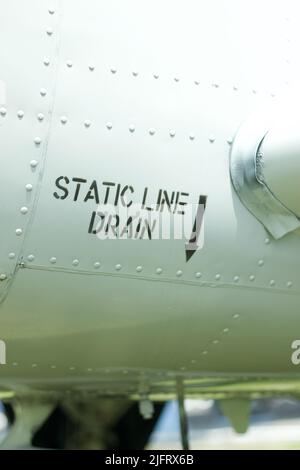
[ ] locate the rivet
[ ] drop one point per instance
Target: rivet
(34, 365)
(72, 368)
(69, 63)
(226, 330)
(30, 258)
(252, 278)
(89, 370)
(156, 76)
(272, 283)
(87, 123)
(198, 275)
(53, 367)
(131, 128)
(217, 277)
(15, 364)
(135, 73)
(24, 210)
(152, 131)
(236, 278)
(75, 262)
(176, 79)
(49, 31)
(158, 271)
(37, 141)
(20, 114)
(204, 353)
(235, 87)
(261, 262)
(97, 265)
(46, 61)
(40, 117)
(215, 341)
(139, 269)
(43, 92)
(3, 277)
(197, 82)
(53, 260)
(289, 284)
(254, 91)
(267, 241)
(51, 11)
(109, 125)
(12, 255)
(29, 187)
(211, 139)
(179, 273)
(63, 119)
(118, 267)
(19, 232)
(113, 70)
(172, 133)
(236, 316)
(34, 163)
(3, 111)
(92, 67)
(192, 136)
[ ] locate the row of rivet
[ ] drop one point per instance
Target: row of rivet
(33, 163)
(87, 123)
(88, 369)
(53, 366)
(214, 342)
(139, 269)
(37, 141)
(21, 114)
(135, 73)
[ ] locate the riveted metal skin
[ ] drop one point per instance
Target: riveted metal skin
(23, 141)
(106, 99)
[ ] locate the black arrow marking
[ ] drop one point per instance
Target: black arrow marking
(192, 246)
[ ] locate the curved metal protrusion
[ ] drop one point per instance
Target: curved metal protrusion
(248, 179)
(280, 155)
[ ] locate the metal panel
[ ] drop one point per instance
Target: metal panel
(27, 79)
